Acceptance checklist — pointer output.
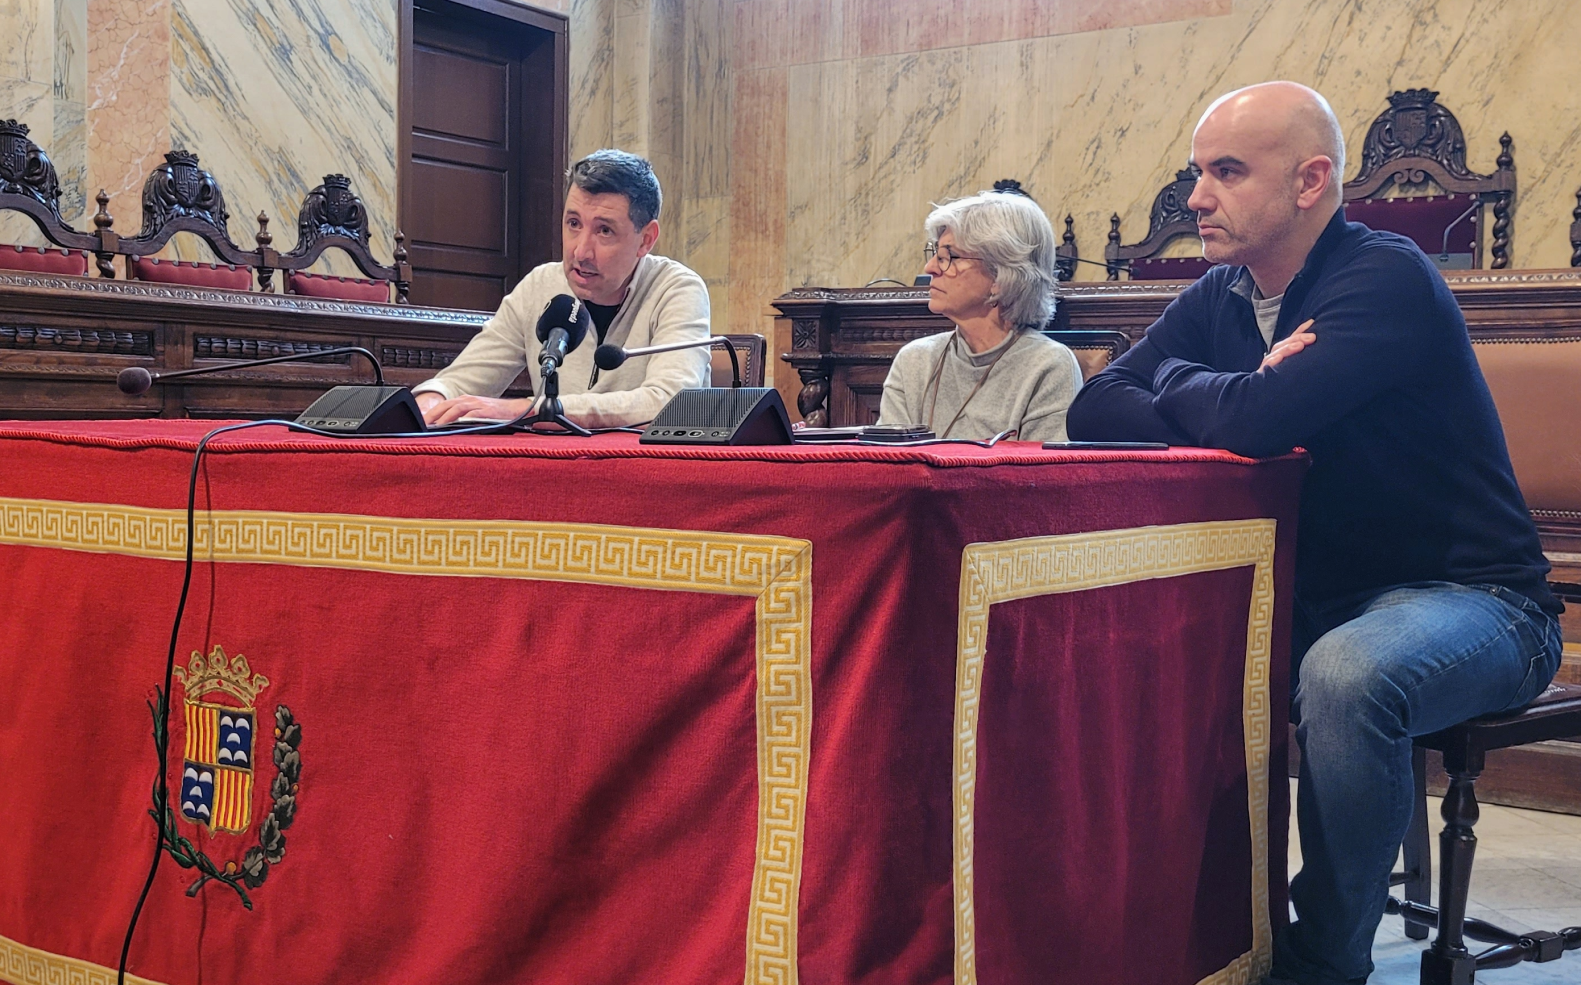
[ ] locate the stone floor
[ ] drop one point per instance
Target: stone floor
(1527, 876)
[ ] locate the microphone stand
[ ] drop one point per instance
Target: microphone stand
(550, 411)
(1443, 257)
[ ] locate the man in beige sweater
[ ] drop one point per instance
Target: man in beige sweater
(609, 227)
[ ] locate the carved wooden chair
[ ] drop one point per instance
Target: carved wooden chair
(1534, 379)
(1415, 140)
(1094, 349)
(1556, 714)
(30, 185)
(1575, 233)
(333, 217)
(1065, 255)
(751, 350)
(1170, 218)
(180, 196)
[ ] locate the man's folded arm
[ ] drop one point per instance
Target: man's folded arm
(1369, 339)
(1117, 403)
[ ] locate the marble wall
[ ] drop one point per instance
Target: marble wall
(813, 134)
(271, 94)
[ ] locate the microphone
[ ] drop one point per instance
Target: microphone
(610, 356)
(344, 410)
(561, 328)
(135, 380)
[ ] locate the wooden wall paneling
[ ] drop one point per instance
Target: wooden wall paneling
(483, 142)
(64, 339)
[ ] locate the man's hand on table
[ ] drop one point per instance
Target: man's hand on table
(438, 411)
(1298, 340)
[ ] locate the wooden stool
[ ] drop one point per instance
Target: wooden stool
(1556, 714)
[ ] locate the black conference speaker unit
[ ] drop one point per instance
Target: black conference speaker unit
(365, 410)
(748, 415)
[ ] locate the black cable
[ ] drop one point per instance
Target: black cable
(162, 788)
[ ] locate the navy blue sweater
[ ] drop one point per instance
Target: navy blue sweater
(1410, 478)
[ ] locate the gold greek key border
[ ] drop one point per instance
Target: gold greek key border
(23, 965)
(1018, 569)
(775, 571)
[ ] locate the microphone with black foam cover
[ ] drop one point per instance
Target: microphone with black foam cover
(134, 380)
(563, 325)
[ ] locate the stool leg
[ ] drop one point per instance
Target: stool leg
(1448, 962)
(1418, 854)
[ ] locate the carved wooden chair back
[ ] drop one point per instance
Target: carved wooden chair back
(752, 350)
(30, 185)
(1575, 233)
(1417, 139)
(1170, 218)
(1066, 256)
(1094, 349)
(180, 196)
(333, 217)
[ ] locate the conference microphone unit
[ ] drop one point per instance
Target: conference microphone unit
(607, 357)
(344, 410)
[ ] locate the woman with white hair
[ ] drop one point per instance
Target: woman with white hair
(992, 261)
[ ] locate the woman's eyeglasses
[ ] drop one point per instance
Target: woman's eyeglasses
(942, 253)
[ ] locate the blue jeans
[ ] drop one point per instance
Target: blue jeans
(1369, 673)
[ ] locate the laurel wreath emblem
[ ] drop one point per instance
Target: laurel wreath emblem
(253, 869)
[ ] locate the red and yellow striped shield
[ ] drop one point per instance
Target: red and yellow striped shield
(217, 775)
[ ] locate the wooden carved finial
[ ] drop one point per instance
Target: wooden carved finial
(264, 236)
(400, 246)
(1070, 230)
(102, 219)
(1114, 229)
(1575, 233)
(1505, 160)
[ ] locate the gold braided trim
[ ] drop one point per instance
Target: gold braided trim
(775, 571)
(23, 965)
(1018, 569)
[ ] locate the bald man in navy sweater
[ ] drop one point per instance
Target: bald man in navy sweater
(1421, 596)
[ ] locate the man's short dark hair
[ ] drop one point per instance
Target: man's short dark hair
(615, 172)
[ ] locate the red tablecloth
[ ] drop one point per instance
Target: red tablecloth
(529, 709)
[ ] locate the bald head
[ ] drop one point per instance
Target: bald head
(1285, 118)
(1272, 162)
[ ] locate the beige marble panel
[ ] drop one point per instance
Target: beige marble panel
(29, 103)
(69, 142)
(592, 57)
(70, 73)
(275, 94)
(128, 100)
(757, 270)
(1097, 122)
(632, 74)
(29, 31)
(705, 112)
(69, 152)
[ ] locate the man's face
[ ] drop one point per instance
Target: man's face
(1246, 198)
(601, 246)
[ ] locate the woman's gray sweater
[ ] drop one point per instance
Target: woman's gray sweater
(1030, 381)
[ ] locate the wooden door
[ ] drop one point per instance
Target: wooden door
(485, 152)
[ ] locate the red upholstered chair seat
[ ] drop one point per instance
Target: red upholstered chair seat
(1423, 220)
(342, 288)
(1169, 268)
(190, 273)
(40, 260)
